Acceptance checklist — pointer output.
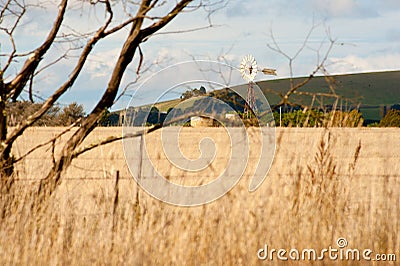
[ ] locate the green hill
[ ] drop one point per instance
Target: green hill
(164, 106)
(376, 88)
(371, 91)
(374, 91)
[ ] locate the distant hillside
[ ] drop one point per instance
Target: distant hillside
(165, 106)
(377, 88)
(371, 90)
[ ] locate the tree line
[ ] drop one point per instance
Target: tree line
(55, 116)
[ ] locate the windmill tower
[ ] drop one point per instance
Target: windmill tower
(249, 69)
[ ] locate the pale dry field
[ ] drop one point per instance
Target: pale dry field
(315, 192)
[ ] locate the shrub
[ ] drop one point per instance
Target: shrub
(345, 119)
(316, 118)
(391, 119)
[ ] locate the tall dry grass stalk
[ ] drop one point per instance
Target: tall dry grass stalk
(316, 191)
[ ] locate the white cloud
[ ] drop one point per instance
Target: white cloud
(101, 63)
(354, 63)
(336, 8)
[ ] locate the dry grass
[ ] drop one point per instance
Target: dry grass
(323, 184)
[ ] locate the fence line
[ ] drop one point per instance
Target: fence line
(132, 178)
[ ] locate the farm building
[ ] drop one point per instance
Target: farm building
(202, 121)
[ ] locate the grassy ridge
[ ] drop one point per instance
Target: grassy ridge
(164, 106)
(376, 88)
(370, 90)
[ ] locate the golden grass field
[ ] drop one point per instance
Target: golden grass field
(323, 184)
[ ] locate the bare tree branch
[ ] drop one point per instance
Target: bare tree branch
(60, 91)
(319, 68)
(16, 86)
(10, 31)
(135, 37)
(142, 25)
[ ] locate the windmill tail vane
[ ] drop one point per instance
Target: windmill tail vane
(269, 71)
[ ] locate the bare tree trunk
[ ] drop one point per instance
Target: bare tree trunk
(136, 36)
(11, 89)
(6, 166)
(48, 184)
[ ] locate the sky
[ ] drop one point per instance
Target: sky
(365, 33)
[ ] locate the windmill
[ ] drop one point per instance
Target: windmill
(249, 69)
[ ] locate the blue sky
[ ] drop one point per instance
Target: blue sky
(366, 33)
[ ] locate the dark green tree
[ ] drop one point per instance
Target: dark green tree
(154, 116)
(71, 113)
(202, 90)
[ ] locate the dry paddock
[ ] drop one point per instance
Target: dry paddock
(317, 191)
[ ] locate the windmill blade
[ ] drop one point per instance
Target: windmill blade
(248, 68)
